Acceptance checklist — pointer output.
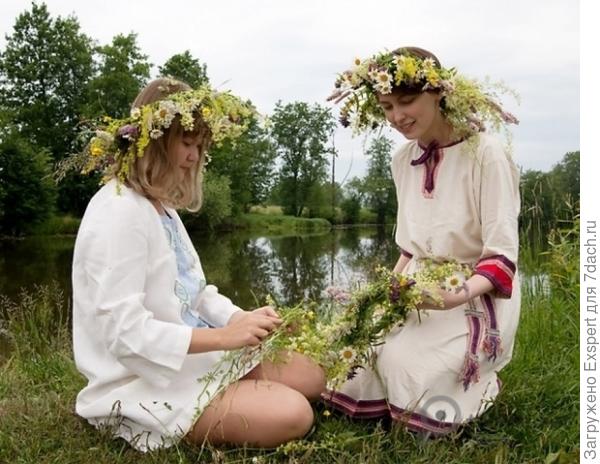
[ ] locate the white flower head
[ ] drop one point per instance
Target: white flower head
(135, 113)
(378, 313)
(156, 133)
(383, 82)
(165, 113)
(454, 282)
(348, 354)
(429, 63)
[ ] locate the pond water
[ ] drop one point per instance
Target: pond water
(245, 266)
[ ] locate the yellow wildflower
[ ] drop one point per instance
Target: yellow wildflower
(432, 77)
(96, 148)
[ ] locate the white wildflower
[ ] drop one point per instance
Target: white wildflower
(348, 354)
(156, 133)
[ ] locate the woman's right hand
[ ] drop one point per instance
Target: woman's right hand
(247, 328)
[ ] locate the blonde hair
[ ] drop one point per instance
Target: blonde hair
(155, 175)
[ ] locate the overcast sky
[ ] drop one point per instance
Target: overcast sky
(269, 50)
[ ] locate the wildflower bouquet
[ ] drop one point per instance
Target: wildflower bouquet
(341, 335)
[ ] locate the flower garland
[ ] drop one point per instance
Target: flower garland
(120, 141)
(468, 103)
(341, 335)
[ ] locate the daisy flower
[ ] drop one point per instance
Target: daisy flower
(348, 354)
(156, 133)
(453, 282)
(383, 81)
(165, 113)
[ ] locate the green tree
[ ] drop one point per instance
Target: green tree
(565, 177)
(353, 200)
(121, 71)
(351, 209)
(186, 68)
(319, 201)
(549, 200)
(249, 165)
(378, 185)
(216, 203)
(44, 72)
(28, 192)
(300, 133)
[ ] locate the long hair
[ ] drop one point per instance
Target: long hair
(156, 175)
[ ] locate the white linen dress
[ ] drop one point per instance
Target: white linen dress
(129, 339)
(460, 204)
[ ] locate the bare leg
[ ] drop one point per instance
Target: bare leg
(256, 412)
(299, 373)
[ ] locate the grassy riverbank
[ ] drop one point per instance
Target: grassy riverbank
(279, 223)
(263, 221)
(534, 419)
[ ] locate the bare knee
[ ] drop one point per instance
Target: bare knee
(299, 372)
(315, 384)
(296, 417)
(261, 413)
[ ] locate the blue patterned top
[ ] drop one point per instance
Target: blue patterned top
(190, 279)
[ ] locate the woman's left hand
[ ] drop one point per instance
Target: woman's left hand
(449, 300)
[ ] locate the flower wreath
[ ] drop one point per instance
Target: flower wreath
(467, 103)
(118, 142)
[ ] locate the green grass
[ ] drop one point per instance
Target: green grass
(272, 210)
(280, 223)
(58, 225)
(534, 419)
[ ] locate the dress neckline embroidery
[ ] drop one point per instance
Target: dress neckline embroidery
(431, 158)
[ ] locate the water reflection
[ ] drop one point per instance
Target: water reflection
(245, 266)
(35, 260)
(292, 268)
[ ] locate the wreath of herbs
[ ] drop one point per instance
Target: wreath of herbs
(469, 105)
(112, 145)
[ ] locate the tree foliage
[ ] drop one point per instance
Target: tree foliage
(300, 133)
(378, 185)
(121, 72)
(216, 205)
(549, 200)
(186, 68)
(27, 192)
(44, 72)
(249, 164)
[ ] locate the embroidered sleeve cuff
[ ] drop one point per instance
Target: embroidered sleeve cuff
(406, 253)
(500, 271)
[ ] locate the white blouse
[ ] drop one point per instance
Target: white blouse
(129, 339)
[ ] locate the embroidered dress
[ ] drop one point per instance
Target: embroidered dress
(190, 279)
(130, 336)
(440, 372)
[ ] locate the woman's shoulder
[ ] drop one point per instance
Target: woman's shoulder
(116, 201)
(405, 153)
(406, 149)
(490, 148)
